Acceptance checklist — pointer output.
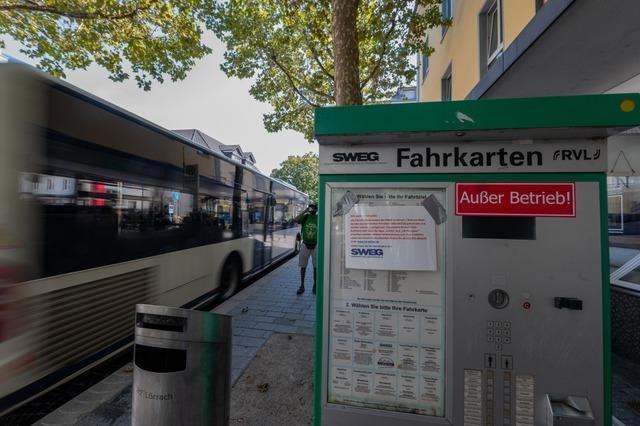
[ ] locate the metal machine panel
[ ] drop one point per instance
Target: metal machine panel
(522, 317)
(558, 350)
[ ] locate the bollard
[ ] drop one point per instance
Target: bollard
(182, 367)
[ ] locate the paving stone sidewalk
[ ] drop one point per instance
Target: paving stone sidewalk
(271, 305)
(266, 306)
(626, 391)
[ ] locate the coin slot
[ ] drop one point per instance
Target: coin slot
(498, 299)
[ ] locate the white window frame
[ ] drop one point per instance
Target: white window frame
(447, 76)
(445, 28)
(494, 8)
(425, 70)
(616, 277)
(621, 229)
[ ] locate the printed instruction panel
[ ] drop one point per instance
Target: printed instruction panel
(386, 323)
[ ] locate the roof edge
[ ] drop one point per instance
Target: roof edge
(582, 111)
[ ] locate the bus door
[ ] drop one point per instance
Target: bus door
(268, 227)
(255, 223)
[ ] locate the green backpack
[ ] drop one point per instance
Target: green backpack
(310, 230)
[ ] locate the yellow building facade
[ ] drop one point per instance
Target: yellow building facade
(480, 31)
(530, 48)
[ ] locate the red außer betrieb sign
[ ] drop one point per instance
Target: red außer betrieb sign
(516, 199)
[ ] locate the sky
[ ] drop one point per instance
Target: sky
(207, 100)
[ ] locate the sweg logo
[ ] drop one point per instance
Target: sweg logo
(367, 252)
(575, 154)
(340, 157)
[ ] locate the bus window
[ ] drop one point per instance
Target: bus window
(255, 211)
(225, 172)
(95, 222)
(216, 201)
(284, 211)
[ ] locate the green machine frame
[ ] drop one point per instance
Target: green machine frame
(592, 117)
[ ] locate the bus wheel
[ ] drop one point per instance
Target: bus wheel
(229, 278)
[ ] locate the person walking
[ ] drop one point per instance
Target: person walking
(309, 221)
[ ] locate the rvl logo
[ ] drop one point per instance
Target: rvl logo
(575, 154)
(367, 252)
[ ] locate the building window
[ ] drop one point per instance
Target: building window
(616, 211)
(447, 13)
(624, 226)
(494, 31)
(446, 85)
(425, 59)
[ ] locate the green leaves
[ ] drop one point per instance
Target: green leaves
(301, 171)
(159, 38)
(283, 45)
(286, 45)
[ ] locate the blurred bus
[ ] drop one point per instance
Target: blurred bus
(100, 210)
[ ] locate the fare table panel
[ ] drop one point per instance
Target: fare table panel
(387, 301)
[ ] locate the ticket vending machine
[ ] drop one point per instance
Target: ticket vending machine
(463, 275)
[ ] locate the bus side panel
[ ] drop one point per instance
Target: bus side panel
(21, 114)
(198, 269)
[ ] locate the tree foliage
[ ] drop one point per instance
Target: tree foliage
(300, 171)
(159, 38)
(288, 47)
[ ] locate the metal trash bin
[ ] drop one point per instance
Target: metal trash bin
(182, 367)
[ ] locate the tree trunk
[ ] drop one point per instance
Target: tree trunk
(346, 55)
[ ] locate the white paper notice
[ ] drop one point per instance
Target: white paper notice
(408, 358)
(430, 392)
(341, 380)
(362, 383)
(390, 238)
(364, 324)
(342, 323)
(430, 359)
(386, 326)
(408, 328)
(525, 386)
(386, 355)
(363, 353)
(408, 388)
(430, 329)
(472, 398)
(384, 388)
(342, 349)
